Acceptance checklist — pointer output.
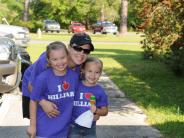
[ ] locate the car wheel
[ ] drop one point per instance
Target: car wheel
(58, 31)
(94, 32)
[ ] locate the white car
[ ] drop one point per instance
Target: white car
(51, 25)
(10, 65)
(105, 27)
(20, 34)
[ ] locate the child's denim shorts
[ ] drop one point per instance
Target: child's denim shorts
(77, 131)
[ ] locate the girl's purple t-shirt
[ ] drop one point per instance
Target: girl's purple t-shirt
(34, 70)
(59, 90)
(82, 99)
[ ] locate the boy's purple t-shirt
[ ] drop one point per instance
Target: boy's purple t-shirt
(82, 99)
(59, 90)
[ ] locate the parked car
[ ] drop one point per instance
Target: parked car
(12, 57)
(19, 34)
(4, 34)
(10, 68)
(76, 27)
(104, 27)
(51, 25)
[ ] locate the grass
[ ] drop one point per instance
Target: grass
(148, 83)
(94, 37)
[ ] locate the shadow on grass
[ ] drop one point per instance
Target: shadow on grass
(175, 129)
(148, 83)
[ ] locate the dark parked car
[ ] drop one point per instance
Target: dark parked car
(13, 62)
(51, 25)
(104, 27)
(76, 27)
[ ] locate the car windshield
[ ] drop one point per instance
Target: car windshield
(77, 24)
(51, 22)
(108, 24)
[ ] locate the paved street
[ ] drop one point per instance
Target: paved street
(12, 125)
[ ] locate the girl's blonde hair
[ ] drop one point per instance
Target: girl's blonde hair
(92, 59)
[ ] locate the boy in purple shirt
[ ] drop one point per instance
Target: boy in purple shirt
(91, 71)
(58, 85)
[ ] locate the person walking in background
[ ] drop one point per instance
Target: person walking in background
(88, 87)
(79, 48)
(56, 84)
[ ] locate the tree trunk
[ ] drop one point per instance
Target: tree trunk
(102, 17)
(124, 15)
(26, 10)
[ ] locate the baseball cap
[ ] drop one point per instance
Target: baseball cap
(80, 39)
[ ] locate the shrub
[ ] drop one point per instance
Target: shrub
(175, 58)
(162, 23)
(31, 25)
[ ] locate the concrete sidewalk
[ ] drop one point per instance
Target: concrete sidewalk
(125, 119)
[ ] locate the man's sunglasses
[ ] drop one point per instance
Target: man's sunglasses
(79, 49)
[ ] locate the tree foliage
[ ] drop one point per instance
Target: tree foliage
(64, 11)
(10, 9)
(162, 23)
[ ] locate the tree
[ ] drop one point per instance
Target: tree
(13, 11)
(102, 13)
(123, 16)
(163, 27)
(26, 10)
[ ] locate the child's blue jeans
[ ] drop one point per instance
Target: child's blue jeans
(77, 131)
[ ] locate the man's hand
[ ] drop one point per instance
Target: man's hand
(30, 87)
(31, 131)
(49, 108)
(96, 117)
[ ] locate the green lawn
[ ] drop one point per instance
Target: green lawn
(94, 37)
(148, 83)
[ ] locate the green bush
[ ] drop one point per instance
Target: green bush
(27, 24)
(37, 24)
(175, 57)
(162, 24)
(31, 25)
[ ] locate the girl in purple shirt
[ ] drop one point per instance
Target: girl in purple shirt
(58, 85)
(91, 71)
